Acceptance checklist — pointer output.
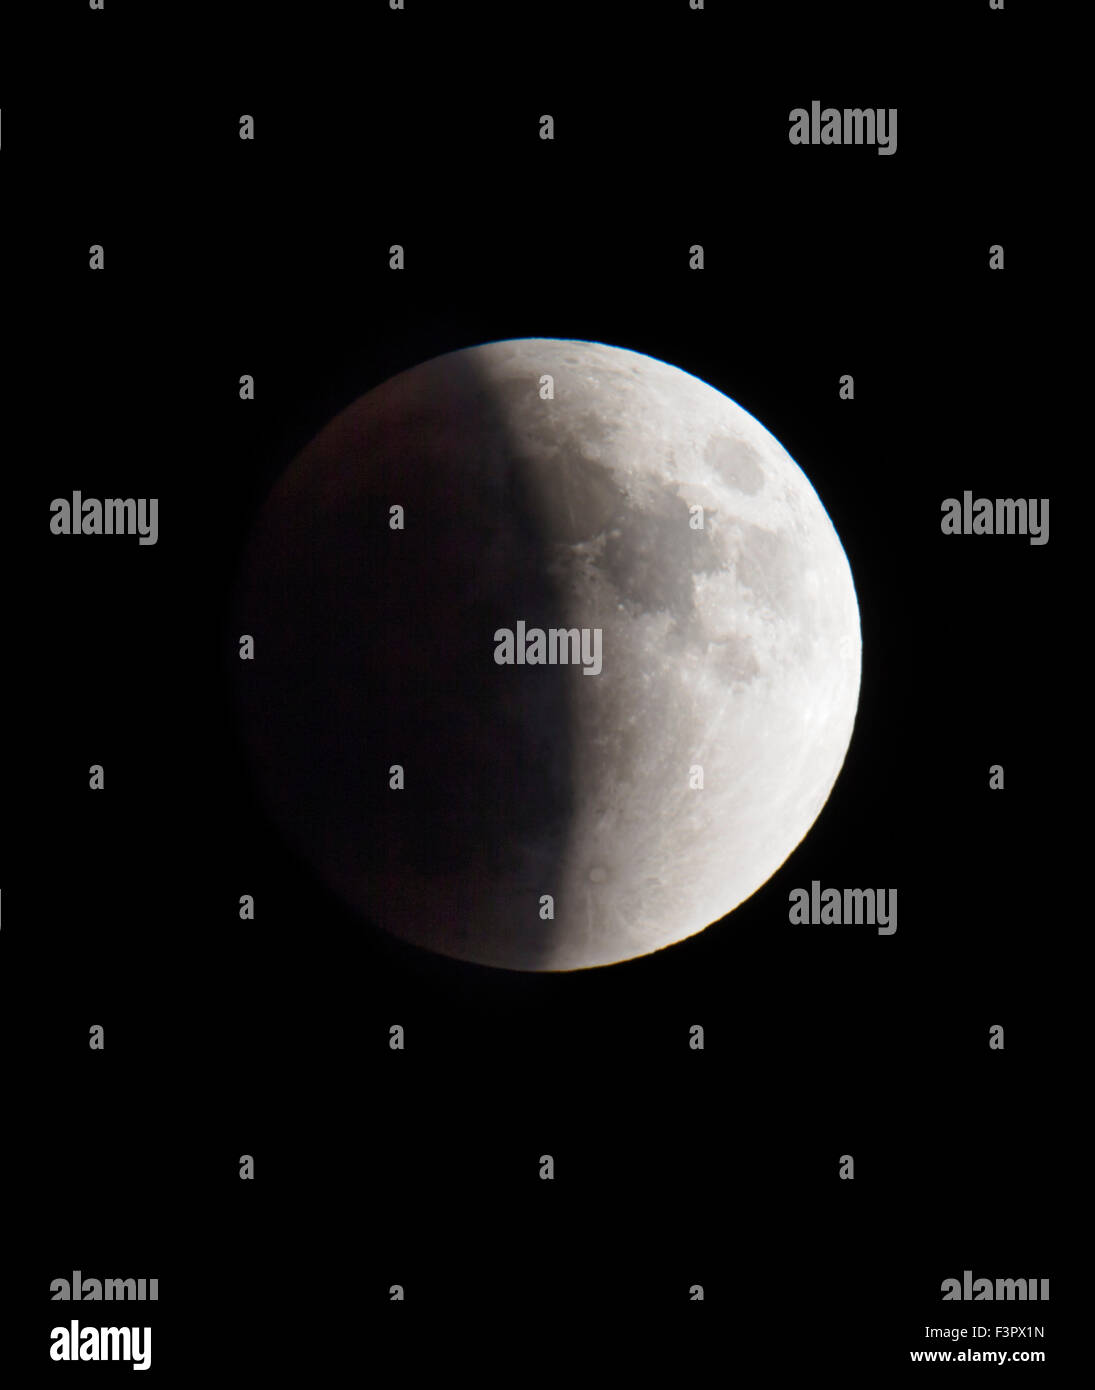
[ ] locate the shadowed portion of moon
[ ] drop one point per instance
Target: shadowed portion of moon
(374, 648)
(731, 647)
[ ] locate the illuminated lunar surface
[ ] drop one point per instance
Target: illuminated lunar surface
(734, 649)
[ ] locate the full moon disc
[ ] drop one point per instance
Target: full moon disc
(556, 654)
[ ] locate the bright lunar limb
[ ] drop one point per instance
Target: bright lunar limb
(533, 816)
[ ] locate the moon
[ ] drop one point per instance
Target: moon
(539, 816)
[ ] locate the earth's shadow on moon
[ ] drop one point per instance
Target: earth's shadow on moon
(374, 647)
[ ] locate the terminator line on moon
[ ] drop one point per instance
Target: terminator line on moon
(647, 799)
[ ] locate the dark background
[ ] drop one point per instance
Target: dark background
(270, 1038)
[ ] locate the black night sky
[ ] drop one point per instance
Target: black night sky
(271, 1037)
